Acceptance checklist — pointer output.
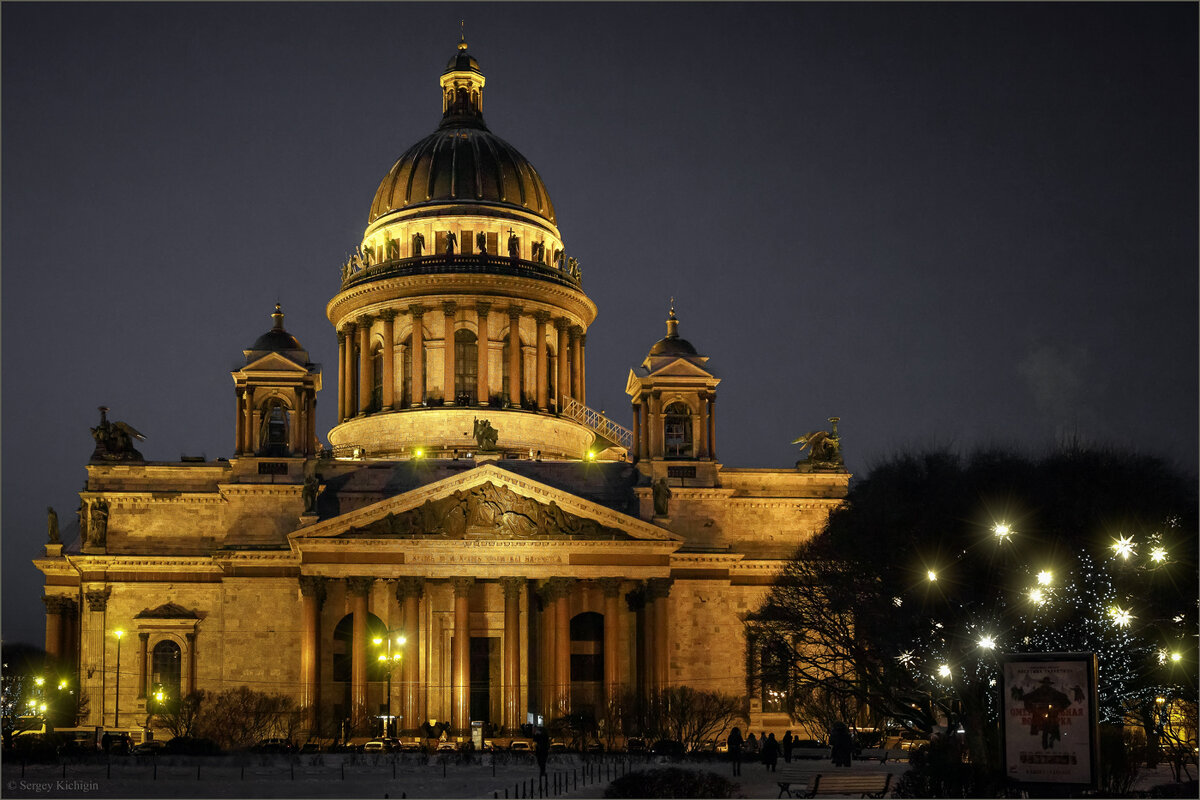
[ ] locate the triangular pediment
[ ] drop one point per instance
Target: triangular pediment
(486, 502)
(274, 362)
(167, 611)
(680, 368)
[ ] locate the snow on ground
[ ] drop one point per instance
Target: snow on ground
(371, 776)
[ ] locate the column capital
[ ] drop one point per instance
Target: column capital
(574, 332)
(512, 587)
(388, 314)
(636, 598)
(610, 586)
(360, 586)
(462, 586)
(409, 586)
(417, 310)
(144, 636)
(658, 588)
(364, 321)
(483, 308)
(54, 604)
(341, 339)
(191, 638)
(562, 323)
(582, 339)
(350, 328)
(514, 311)
(542, 317)
(97, 599)
(313, 586)
(449, 308)
(554, 588)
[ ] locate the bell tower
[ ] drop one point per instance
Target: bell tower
(674, 412)
(277, 397)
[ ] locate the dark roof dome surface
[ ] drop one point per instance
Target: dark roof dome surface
(462, 162)
(671, 344)
(277, 340)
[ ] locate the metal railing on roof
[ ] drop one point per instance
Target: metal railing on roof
(602, 426)
(446, 263)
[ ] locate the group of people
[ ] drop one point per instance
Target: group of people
(769, 749)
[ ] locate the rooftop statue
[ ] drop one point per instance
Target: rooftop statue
(52, 525)
(662, 497)
(451, 242)
(114, 440)
(418, 242)
(485, 435)
(481, 243)
(824, 447)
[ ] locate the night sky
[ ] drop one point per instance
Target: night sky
(954, 225)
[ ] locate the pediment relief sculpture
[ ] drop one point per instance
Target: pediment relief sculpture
(486, 511)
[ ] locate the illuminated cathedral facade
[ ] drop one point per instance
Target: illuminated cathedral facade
(474, 540)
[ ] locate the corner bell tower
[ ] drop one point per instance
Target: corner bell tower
(674, 412)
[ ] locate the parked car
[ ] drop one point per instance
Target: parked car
(150, 748)
(593, 746)
(274, 745)
(520, 746)
(375, 746)
(447, 746)
(411, 744)
(558, 746)
(667, 747)
(635, 744)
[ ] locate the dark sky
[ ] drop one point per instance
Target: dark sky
(948, 224)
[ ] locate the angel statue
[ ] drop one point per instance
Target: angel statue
(114, 440)
(824, 447)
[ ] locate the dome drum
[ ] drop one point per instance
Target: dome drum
(446, 264)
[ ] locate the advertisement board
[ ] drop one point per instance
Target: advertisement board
(1049, 718)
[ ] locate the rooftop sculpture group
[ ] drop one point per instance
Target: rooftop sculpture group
(824, 447)
(114, 440)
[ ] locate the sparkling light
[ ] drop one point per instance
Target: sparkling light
(1002, 531)
(1037, 596)
(1176, 657)
(987, 643)
(1123, 547)
(944, 670)
(897, 602)
(1120, 616)
(1158, 554)
(931, 575)
(906, 657)
(1044, 577)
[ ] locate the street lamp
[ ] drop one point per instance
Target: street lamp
(117, 708)
(389, 661)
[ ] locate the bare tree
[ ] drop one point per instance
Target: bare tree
(182, 716)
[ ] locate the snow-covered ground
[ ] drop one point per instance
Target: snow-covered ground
(371, 776)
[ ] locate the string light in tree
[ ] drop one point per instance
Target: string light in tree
(1124, 547)
(1044, 577)
(1120, 616)
(1003, 531)
(1158, 554)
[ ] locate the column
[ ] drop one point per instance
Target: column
(358, 589)
(541, 317)
(483, 384)
(365, 379)
(96, 654)
(143, 664)
(513, 589)
(658, 591)
(656, 426)
(418, 354)
(341, 400)
(562, 383)
(54, 616)
(702, 433)
(562, 645)
(448, 309)
(583, 368)
(460, 709)
(545, 669)
(239, 421)
(310, 444)
(612, 643)
(514, 356)
(712, 427)
(190, 680)
(637, 431)
(408, 592)
(348, 376)
(312, 596)
(576, 373)
(649, 671)
(389, 359)
(248, 422)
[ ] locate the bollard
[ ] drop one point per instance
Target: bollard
(575, 779)
(292, 767)
(107, 770)
(197, 771)
(64, 769)
(243, 772)
(393, 768)
(343, 770)
(443, 767)
(155, 771)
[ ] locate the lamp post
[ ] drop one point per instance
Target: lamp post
(389, 661)
(117, 707)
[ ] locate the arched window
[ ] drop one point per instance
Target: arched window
(343, 659)
(377, 379)
(505, 372)
(165, 670)
(677, 431)
(273, 438)
(406, 373)
(466, 367)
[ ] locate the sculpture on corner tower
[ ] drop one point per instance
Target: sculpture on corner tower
(114, 440)
(824, 448)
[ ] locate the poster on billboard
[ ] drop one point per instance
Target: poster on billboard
(1049, 712)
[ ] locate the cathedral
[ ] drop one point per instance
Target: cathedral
(474, 544)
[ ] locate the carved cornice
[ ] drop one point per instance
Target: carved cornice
(359, 586)
(409, 586)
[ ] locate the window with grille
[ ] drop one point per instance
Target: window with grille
(677, 431)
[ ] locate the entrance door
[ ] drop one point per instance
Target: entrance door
(481, 677)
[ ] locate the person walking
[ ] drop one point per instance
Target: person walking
(840, 744)
(734, 743)
(752, 744)
(770, 752)
(788, 744)
(541, 750)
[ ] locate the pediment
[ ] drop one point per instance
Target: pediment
(681, 368)
(167, 611)
(486, 503)
(274, 362)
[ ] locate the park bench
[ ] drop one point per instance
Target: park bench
(882, 755)
(861, 784)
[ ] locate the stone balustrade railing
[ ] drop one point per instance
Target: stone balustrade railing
(444, 263)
